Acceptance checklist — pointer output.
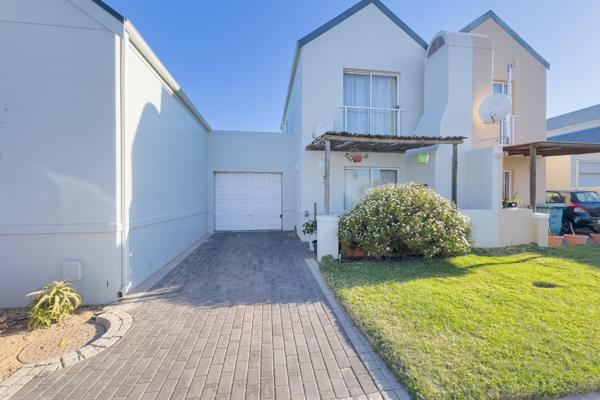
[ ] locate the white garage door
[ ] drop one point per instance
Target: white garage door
(589, 174)
(247, 201)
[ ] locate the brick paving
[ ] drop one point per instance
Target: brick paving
(241, 317)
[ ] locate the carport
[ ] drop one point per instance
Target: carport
(546, 149)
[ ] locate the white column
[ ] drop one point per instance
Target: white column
(327, 236)
(540, 224)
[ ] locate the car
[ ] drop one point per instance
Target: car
(582, 212)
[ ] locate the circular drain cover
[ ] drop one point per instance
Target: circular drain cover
(58, 340)
(545, 285)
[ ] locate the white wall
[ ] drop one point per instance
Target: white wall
(529, 78)
(57, 145)
(479, 178)
(167, 192)
(254, 152)
(368, 40)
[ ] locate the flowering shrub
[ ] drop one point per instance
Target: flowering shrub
(405, 219)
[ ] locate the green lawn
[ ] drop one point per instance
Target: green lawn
(476, 326)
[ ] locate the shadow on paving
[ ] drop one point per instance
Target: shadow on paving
(241, 268)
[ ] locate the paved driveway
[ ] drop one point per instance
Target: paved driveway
(240, 317)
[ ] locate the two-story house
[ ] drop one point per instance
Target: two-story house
(108, 171)
(367, 72)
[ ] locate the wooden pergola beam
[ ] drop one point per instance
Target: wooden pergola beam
(326, 177)
(388, 140)
(532, 175)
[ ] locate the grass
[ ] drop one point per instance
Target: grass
(512, 323)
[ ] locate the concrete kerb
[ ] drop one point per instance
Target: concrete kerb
(116, 322)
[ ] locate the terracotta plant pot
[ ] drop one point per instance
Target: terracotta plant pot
(574, 240)
(554, 241)
(595, 238)
(354, 252)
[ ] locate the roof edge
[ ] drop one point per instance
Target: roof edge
(492, 15)
(353, 10)
(109, 10)
(332, 24)
(146, 51)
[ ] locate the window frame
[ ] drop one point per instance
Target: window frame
(370, 74)
(370, 169)
(511, 183)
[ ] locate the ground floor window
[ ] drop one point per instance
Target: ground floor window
(358, 180)
(507, 184)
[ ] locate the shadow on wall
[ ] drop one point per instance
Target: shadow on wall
(167, 201)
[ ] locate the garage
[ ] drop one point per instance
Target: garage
(247, 201)
(588, 174)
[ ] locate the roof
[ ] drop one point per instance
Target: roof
(353, 10)
(548, 149)
(492, 15)
(345, 141)
(574, 118)
(590, 135)
(335, 22)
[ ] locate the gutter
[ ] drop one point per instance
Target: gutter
(124, 211)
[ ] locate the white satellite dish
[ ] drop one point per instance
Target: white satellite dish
(495, 108)
(323, 126)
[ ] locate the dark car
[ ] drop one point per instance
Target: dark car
(582, 214)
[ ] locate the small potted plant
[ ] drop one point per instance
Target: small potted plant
(513, 202)
(309, 228)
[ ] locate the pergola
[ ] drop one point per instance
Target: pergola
(546, 149)
(352, 142)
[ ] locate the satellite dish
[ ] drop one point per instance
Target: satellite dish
(323, 126)
(495, 108)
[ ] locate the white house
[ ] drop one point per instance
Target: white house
(575, 171)
(107, 171)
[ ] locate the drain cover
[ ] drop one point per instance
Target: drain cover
(545, 285)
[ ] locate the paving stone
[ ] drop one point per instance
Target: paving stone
(241, 317)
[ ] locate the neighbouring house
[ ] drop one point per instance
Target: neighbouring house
(108, 171)
(574, 171)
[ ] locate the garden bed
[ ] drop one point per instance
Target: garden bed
(19, 346)
(511, 323)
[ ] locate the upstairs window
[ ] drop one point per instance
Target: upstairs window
(506, 128)
(371, 103)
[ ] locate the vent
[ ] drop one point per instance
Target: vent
(437, 43)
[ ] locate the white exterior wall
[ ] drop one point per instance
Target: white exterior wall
(166, 164)
(58, 143)
(369, 41)
(254, 152)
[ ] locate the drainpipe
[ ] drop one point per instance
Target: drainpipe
(509, 118)
(125, 283)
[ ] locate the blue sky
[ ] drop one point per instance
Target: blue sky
(233, 57)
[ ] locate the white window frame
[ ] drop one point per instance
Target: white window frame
(370, 177)
(511, 183)
(369, 109)
(506, 133)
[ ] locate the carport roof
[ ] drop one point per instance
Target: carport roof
(345, 141)
(548, 149)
